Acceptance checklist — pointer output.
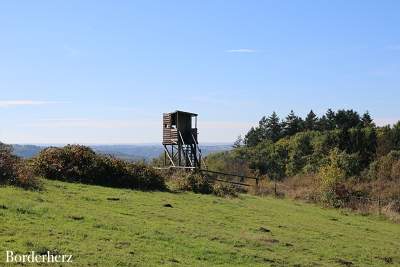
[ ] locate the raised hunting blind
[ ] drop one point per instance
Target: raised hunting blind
(180, 140)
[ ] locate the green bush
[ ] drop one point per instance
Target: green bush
(74, 163)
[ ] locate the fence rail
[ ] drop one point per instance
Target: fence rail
(241, 182)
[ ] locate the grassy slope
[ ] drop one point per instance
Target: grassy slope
(199, 230)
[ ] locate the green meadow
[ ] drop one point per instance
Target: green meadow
(115, 227)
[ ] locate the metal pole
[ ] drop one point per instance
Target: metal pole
(179, 153)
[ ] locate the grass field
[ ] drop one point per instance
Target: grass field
(113, 227)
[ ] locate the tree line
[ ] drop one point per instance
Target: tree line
(273, 128)
(341, 150)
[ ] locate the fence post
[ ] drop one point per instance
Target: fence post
(275, 188)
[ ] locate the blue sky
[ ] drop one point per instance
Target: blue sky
(105, 71)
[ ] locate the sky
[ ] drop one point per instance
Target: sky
(103, 72)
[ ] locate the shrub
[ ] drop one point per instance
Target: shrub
(332, 173)
(70, 163)
(15, 171)
(392, 211)
(194, 182)
(25, 177)
(386, 167)
(145, 178)
(8, 165)
(395, 174)
(331, 178)
(225, 190)
(302, 187)
(74, 163)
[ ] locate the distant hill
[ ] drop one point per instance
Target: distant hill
(127, 152)
(27, 151)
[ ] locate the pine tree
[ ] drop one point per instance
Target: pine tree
(396, 136)
(253, 137)
(273, 127)
(324, 124)
(239, 142)
(367, 120)
(331, 119)
(293, 124)
(311, 121)
(346, 119)
(263, 128)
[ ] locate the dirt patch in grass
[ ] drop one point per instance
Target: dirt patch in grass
(387, 260)
(344, 262)
(121, 245)
(76, 217)
(264, 230)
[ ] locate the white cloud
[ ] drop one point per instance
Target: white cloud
(242, 50)
(83, 123)
(14, 103)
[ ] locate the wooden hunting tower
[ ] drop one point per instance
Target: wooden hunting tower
(180, 140)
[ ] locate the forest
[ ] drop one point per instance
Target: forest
(331, 158)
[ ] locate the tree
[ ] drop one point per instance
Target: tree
(273, 127)
(253, 137)
(267, 158)
(299, 150)
(269, 128)
(323, 124)
(331, 119)
(367, 120)
(293, 124)
(362, 141)
(346, 119)
(396, 135)
(263, 128)
(239, 142)
(384, 141)
(311, 121)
